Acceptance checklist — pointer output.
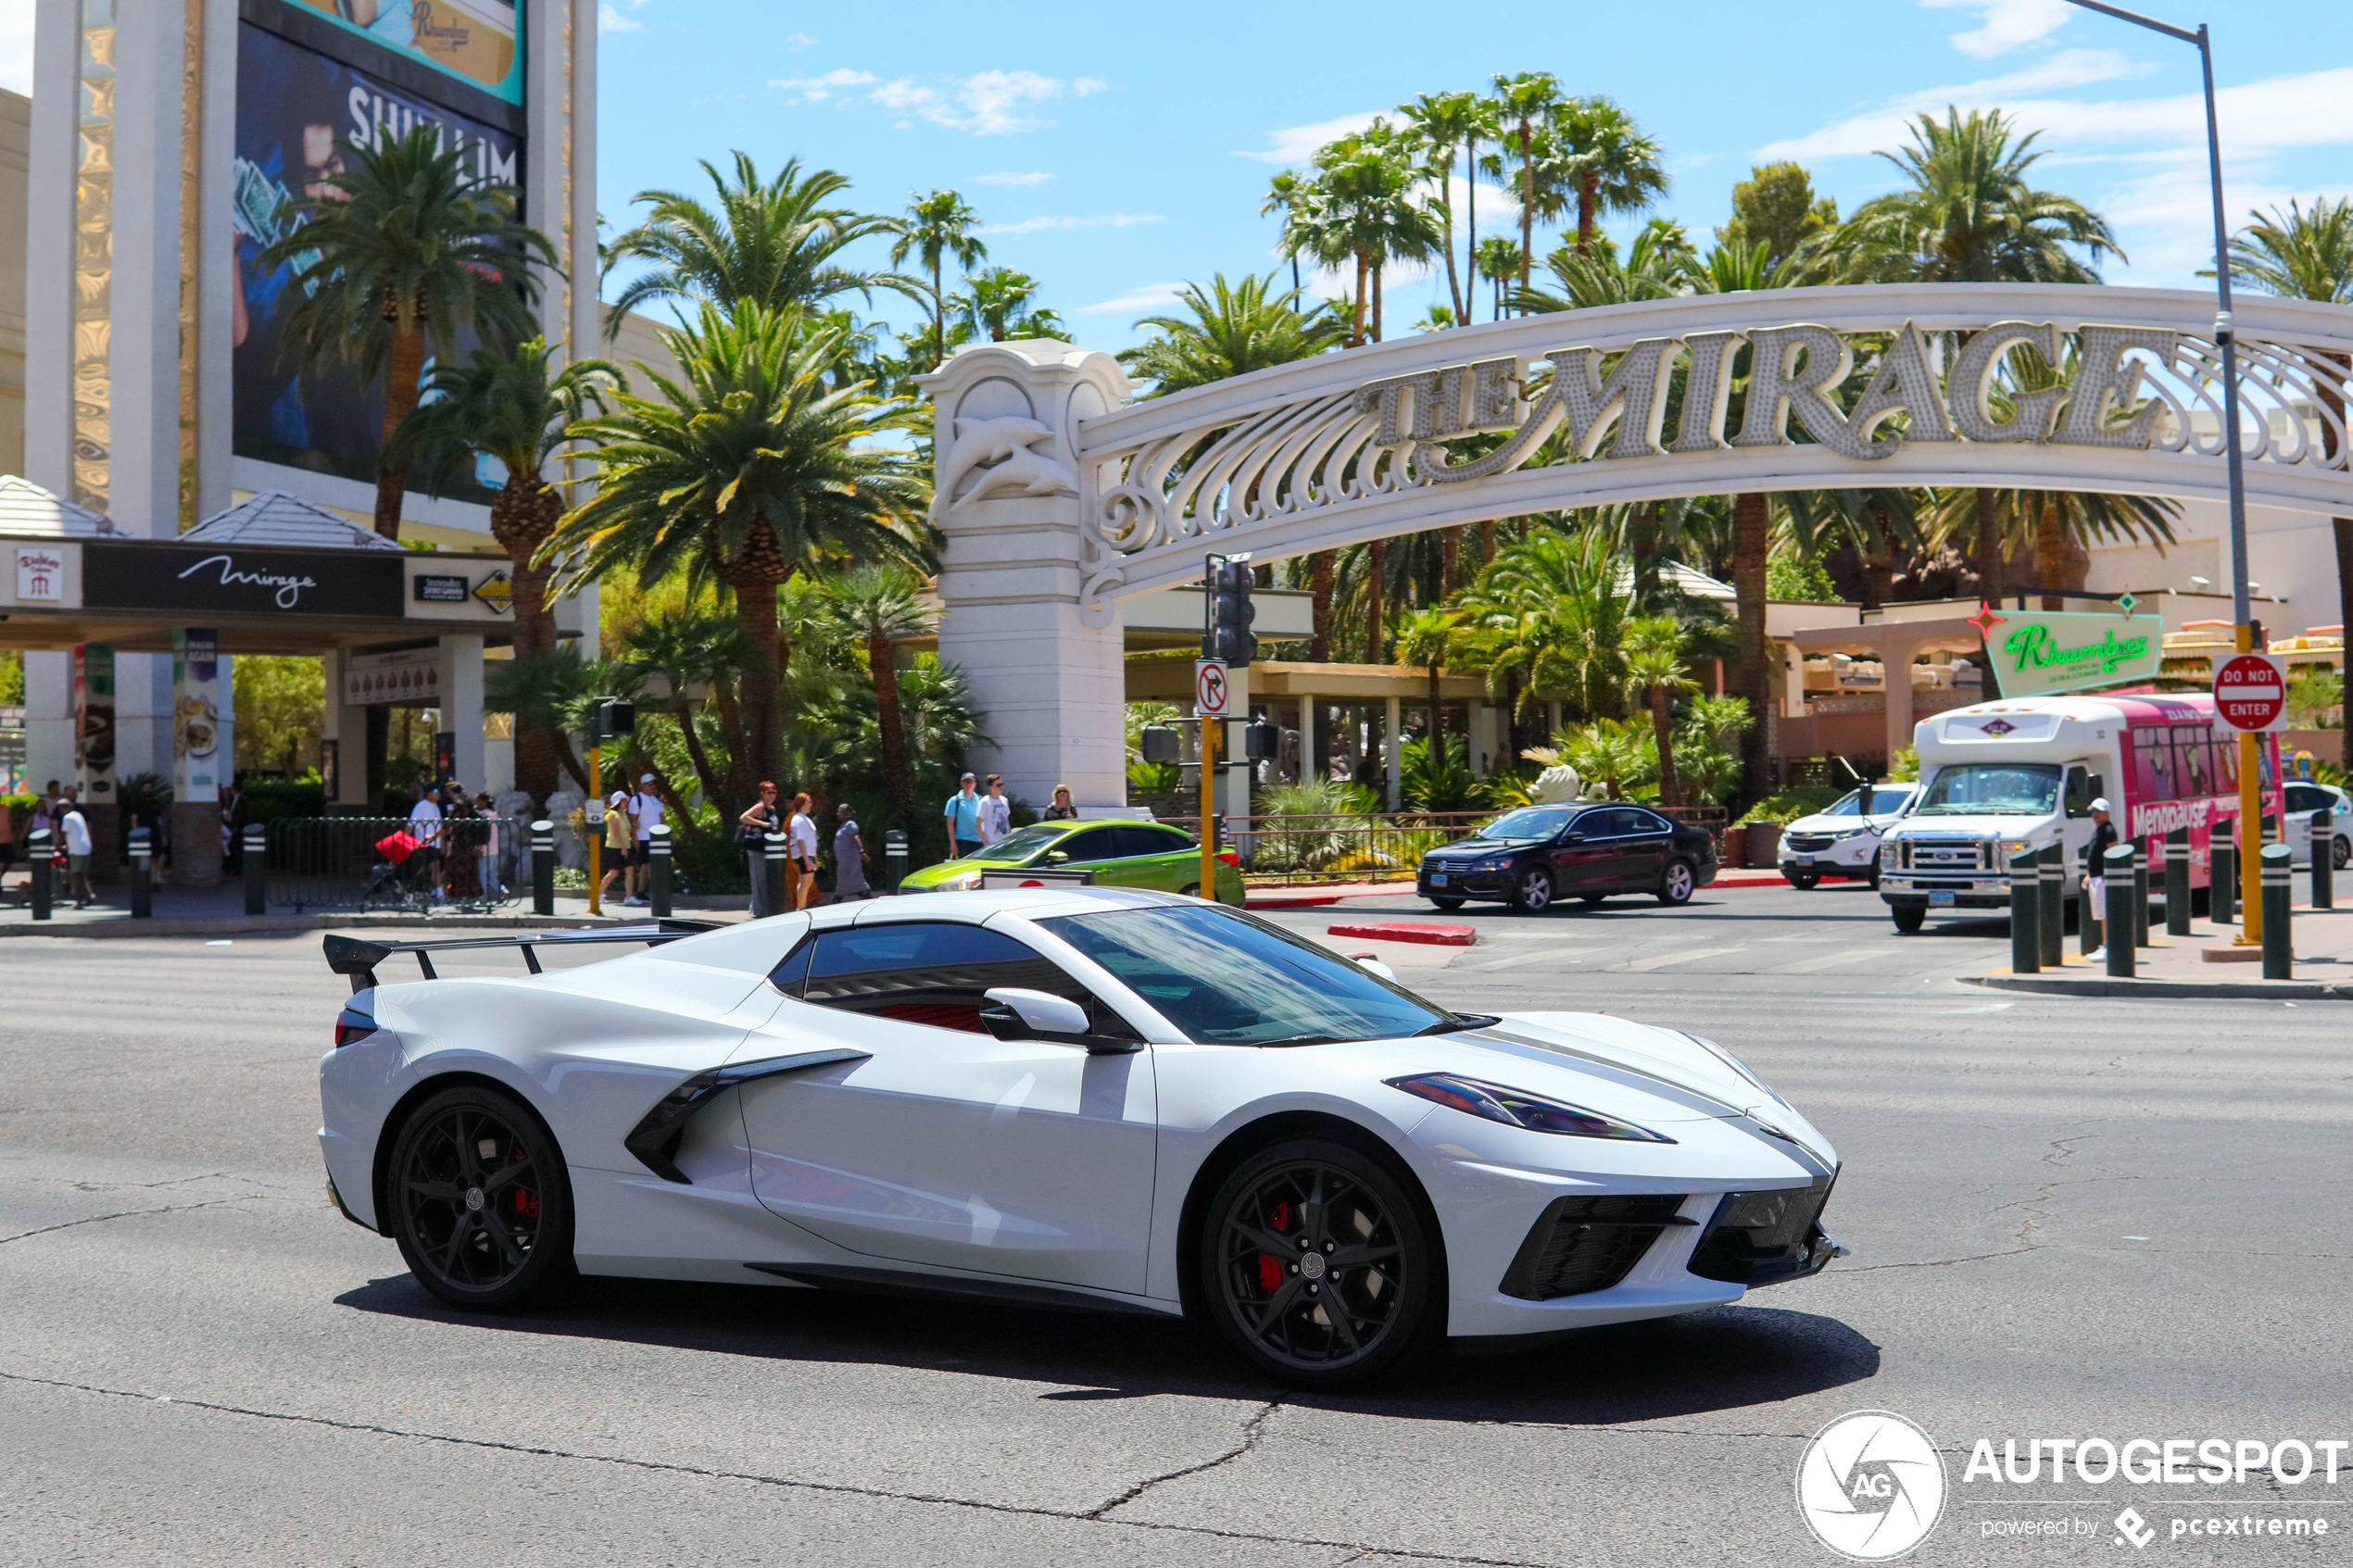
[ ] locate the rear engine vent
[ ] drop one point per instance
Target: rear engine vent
(1580, 1245)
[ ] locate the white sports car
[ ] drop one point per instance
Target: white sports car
(1110, 1099)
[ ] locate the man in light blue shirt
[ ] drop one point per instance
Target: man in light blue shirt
(962, 817)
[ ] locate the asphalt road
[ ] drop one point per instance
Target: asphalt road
(2069, 1217)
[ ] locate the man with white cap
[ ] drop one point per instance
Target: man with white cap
(2094, 870)
(645, 806)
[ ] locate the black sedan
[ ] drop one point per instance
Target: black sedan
(1536, 855)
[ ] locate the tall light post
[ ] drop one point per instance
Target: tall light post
(2242, 612)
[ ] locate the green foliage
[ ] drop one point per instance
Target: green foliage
(1619, 754)
(1322, 827)
(1790, 573)
(267, 799)
(2316, 699)
(1905, 766)
(1707, 747)
(1967, 214)
(1776, 207)
(281, 709)
(1788, 805)
(999, 304)
(514, 405)
(11, 676)
(2296, 254)
(1438, 778)
(1234, 329)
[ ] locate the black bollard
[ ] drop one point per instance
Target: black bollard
(2141, 900)
(2050, 914)
(2325, 859)
(256, 869)
(45, 890)
(771, 872)
(2177, 883)
(2026, 909)
(895, 852)
(543, 867)
(658, 870)
(2279, 953)
(2223, 877)
(2122, 874)
(143, 899)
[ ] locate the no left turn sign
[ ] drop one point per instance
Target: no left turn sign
(2250, 692)
(1209, 687)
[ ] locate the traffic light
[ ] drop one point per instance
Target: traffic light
(1260, 741)
(1157, 743)
(615, 717)
(1229, 638)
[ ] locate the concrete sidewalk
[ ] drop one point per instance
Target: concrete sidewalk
(220, 911)
(2179, 966)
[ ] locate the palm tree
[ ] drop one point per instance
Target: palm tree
(937, 227)
(695, 647)
(1442, 121)
(1426, 638)
(1360, 209)
(996, 306)
(1527, 99)
(1656, 267)
(775, 243)
(1550, 613)
(1497, 260)
(403, 252)
(751, 469)
(1655, 649)
(514, 407)
(883, 606)
(1619, 168)
(2300, 255)
(1234, 329)
(1283, 194)
(1969, 215)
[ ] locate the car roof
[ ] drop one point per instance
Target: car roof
(982, 905)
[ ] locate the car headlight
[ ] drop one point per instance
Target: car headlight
(1493, 863)
(1517, 1108)
(963, 882)
(2017, 845)
(1888, 852)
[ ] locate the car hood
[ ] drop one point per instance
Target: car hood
(1881, 820)
(1653, 1077)
(1479, 848)
(1972, 825)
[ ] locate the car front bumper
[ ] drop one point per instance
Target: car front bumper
(1464, 885)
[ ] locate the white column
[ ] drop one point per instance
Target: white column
(1485, 738)
(462, 705)
(1047, 681)
(1311, 763)
(347, 725)
(48, 345)
(48, 721)
(1392, 754)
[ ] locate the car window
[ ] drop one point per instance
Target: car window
(1020, 844)
(1610, 823)
(935, 972)
(1639, 820)
(1095, 844)
(2307, 797)
(1146, 841)
(1528, 821)
(1225, 978)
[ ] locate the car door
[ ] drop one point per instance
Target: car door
(1581, 856)
(2303, 799)
(1092, 849)
(1125, 856)
(1163, 857)
(1644, 840)
(944, 1144)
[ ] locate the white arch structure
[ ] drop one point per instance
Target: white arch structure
(1058, 499)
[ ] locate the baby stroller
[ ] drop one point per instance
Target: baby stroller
(401, 878)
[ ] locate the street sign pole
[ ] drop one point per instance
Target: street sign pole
(1209, 702)
(2250, 695)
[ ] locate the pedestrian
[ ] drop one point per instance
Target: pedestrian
(2095, 872)
(801, 851)
(759, 820)
(850, 858)
(424, 826)
(996, 812)
(1062, 811)
(77, 836)
(619, 836)
(493, 884)
(962, 817)
(461, 844)
(646, 806)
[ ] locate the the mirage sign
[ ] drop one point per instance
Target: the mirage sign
(1917, 392)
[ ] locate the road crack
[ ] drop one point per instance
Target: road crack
(1253, 1430)
(125, 1214)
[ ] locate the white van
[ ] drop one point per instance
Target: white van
(1843, 839)
(2005, 776)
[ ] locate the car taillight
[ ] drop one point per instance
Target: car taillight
(352, 1024)
(1232, 857)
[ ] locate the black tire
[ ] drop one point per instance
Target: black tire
(1190, 890)
(1447, 903)
(1910, 921)
(1534, 894)
(1677, 884)
(485, 1231)
(1804, 882)
(1873, 878)
(2341, 852)
(1303, 1200)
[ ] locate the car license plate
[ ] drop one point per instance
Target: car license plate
(1798, 856)
(1939, 896)
(1438, 879)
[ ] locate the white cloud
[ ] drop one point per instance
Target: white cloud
(1887, 125)
(988, 103)
(1297, 144)
(1032, 178)
(610, 19)
(796, 40)
(1104, 220)
(1151, 297)
(1088, 86)
(2003, 24)
(817, 89)
(16, 47)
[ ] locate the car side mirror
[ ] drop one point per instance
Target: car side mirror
(1019, 1013)
(1366, 961)
(1057, 857)
(1572, 838)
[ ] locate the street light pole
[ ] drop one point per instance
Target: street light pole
(2225, 338)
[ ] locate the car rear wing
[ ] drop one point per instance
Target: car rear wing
(350, 956)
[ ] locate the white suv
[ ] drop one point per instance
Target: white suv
(1843, 840)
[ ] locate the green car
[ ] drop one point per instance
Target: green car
(1121, 853)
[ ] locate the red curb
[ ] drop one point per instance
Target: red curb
(1295, 900)
(1409, 931)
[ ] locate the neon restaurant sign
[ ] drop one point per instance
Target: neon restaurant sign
(2035, 654)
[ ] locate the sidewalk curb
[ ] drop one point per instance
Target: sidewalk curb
(256, 926)
(2103, 986)
(1427, 932)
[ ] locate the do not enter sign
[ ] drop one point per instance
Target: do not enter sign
(2250, 692)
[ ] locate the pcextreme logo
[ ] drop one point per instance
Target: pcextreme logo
(1870, 1485)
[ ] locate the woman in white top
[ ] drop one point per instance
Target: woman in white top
(801, 847)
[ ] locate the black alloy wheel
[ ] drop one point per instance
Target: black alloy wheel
(1675, 887)
(1316, 1266)
(2340, 852)
(480, 1202)
(1804, 882)
(1534, 894)
(1910, 921)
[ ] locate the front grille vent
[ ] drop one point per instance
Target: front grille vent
(1808, 843)
(1944, 854)
(1580, 1245)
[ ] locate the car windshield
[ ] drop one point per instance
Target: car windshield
(1226, 978)
(1884, 798)
(1529, 821)
(1999, 789)
(1020, 844)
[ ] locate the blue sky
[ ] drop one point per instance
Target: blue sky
(1117, 151)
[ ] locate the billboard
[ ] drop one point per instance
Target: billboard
(478, 42)
(294, 105)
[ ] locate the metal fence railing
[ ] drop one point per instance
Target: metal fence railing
(354, 863)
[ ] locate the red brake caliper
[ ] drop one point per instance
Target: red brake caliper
(526, 1200)
(1270, 1268)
